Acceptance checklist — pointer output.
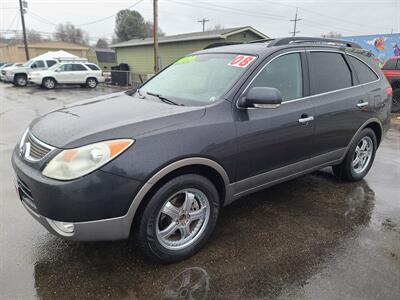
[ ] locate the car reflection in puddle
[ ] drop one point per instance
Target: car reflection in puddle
(191, 283)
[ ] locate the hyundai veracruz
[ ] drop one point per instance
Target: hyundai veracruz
(159, 162)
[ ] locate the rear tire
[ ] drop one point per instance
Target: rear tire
(179, 219)
(20, 80)
(359, 157)
(91, 82)
(396, 99)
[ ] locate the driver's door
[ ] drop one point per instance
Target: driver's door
(275, 142)
(64, 73)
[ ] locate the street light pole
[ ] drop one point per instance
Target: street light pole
(155, 35)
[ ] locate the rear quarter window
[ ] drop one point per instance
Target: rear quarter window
(364, 73)
(329, 72)
(93, 67)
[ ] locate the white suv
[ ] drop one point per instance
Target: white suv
(85, 74)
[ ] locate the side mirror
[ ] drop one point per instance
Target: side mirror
(261, 97)
(33, 66)
(57, 70)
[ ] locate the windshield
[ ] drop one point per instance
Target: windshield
(198, 79)
(27, 63)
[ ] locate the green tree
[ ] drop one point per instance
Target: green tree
(102, 43)
(129, 24)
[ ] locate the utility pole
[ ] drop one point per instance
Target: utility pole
(155, 35)
(22, 10)
(295, 20)
(203, 21)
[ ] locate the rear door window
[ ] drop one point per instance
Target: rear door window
(364, 73)
(78, 67)
(50, 63)
(283, 73)
(328, 72)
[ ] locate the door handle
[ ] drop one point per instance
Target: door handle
(362, 104)
(305, 120)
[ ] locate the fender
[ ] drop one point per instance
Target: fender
(366, 123)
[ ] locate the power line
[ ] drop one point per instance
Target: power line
(41, 19)
(203, 21)
(108, 17)
(295, 20)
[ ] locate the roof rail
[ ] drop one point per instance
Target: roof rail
(289, 40)
(260, 41)
(220, 44)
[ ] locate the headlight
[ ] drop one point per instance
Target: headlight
(73, 163)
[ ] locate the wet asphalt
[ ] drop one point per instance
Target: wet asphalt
(310, 238)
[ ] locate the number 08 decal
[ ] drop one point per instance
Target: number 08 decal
(241, 61)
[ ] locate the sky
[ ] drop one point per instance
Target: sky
(97, 17)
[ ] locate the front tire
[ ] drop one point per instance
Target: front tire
(179, 219)
(49, 83)
(359, 157)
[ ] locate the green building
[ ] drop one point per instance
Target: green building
(138, 53)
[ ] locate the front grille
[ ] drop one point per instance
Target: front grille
(37, 151)
(25, 194)
(33, 148)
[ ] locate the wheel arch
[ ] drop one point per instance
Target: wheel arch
(198, 165)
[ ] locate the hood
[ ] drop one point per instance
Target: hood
(108, 117)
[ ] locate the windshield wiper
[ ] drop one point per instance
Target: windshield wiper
(163, 99)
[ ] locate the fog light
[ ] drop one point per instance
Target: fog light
(64, 226)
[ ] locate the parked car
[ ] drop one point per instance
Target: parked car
(19, 75)
(5, 67)
(85, 74)
(391, 69)
(160, 162)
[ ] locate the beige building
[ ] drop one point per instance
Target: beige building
(16, 53)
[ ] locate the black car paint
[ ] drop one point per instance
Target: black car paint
(244, 142)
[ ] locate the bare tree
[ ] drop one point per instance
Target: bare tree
(332, 34)
(69, 33)
(34, 36)
(216, 27)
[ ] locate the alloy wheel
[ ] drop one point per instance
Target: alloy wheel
(362, 154)
(182, 219)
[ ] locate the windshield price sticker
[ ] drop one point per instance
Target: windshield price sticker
(241, 61)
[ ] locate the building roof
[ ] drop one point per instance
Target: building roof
(105, 55)
(193, 36)
(55, 45)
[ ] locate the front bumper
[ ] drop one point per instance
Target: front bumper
(96, 204)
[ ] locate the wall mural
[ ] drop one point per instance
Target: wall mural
(382, 46)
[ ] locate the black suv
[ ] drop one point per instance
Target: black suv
(159, 162)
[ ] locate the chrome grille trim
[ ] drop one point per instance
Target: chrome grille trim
(33, 149)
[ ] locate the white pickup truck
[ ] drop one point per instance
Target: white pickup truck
(82, 73)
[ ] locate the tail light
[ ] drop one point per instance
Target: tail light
(389, 91)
